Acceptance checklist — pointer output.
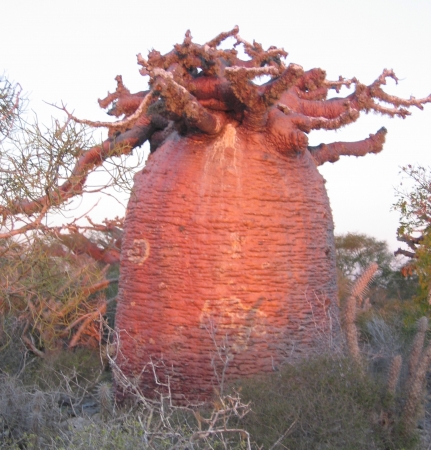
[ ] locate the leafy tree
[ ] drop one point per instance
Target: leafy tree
(355, 252)
(414, 205)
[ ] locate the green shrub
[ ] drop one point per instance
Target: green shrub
(321, 403)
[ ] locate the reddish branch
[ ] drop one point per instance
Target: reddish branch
(199, 88)
(80, 244)
(74, 240)
(332, 152)
(86, 163)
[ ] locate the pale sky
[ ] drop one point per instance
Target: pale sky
(72, 51)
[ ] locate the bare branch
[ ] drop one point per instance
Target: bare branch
(87, 162)
(79, 244)
(30, 226)
(403, 252)
(332, 152)
(258, 55)
(120, 124)
(222, 36)
(337, 85)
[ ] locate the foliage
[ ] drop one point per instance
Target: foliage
(355, 252)
(52, 278)
(68, 384)
(51, 293)
(414, 203)
(414, 206)
(57, 299)
(371, 400)
(422, 267)
(323, 403)
(10, 106)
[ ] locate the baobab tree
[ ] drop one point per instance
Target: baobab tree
(227, 258)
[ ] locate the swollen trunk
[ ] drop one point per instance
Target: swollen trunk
(228, 263)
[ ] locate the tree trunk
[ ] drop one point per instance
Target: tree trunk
(228, 262)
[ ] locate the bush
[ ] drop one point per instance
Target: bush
(321, 403)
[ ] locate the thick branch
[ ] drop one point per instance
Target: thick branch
(120, 91)
(328, 109)
(403, 252)
(80, 244)
(272, 91)
(332, 152)
(411, 241)
(246, 91)
(306, 124)
(180, 102)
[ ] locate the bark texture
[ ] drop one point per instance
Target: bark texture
(228, 248)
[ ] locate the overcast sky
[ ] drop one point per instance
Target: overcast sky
(72, 51)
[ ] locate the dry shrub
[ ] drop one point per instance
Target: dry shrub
(58, 299)
(29, 417)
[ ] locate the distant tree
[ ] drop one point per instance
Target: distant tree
(355, 252)
(11, 105)
(414, 205)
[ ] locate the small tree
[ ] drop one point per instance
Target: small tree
(414, 205)
(51, 278)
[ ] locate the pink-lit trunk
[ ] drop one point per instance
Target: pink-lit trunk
(228, 262)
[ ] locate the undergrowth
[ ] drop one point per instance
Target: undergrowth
(372, 400)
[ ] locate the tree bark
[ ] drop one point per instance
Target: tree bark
(228, 247)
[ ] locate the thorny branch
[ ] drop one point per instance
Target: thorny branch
(10, 104)
(210, 425)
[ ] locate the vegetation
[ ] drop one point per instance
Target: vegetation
(355, 252)
(326, 402)
(223, 146)
(414, 205)
(368, 395)
(58, 286)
